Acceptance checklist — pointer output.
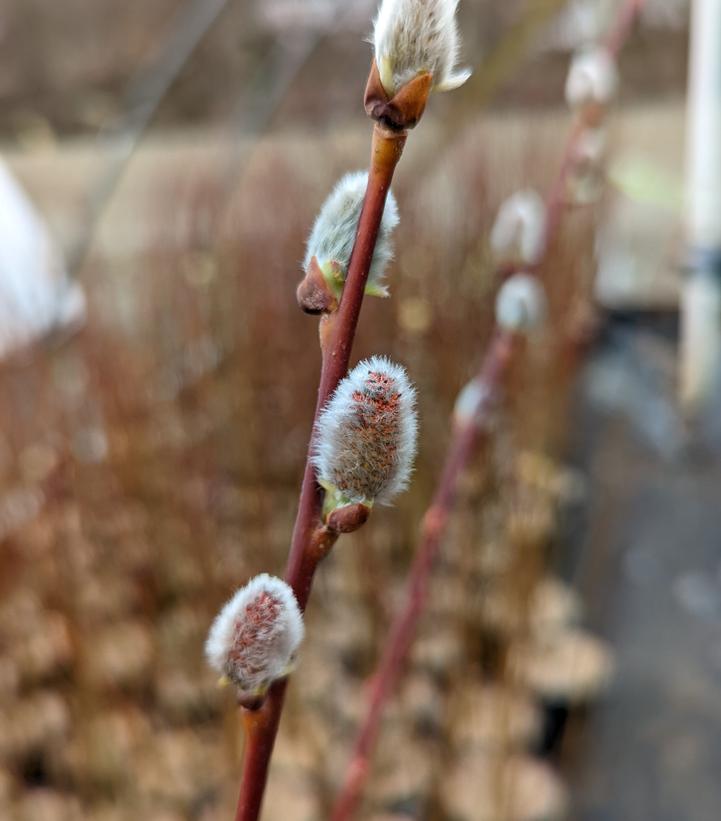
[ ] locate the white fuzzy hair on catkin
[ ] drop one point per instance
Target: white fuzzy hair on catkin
(520, 227)
(365, 440)
(334, 231)
(254, 638)
(413, 36)
(521, 304)
(592, 78)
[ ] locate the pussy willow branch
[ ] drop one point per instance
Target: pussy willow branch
(310, 543)
(620, 32)
(556, 199)
(463, 444)
(466, 438)
(339, 333)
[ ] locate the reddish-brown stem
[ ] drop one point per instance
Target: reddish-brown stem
(386, 149)
(463, 444)
(622, 29)
(310, 541)
(339, 332)
(260, 730)
(556, 200)
(261, 725)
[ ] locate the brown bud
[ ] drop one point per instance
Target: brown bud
(250, 701)
(348, 518)
(313, 293)
(405, 108)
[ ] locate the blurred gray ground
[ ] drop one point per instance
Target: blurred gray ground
(650, 571)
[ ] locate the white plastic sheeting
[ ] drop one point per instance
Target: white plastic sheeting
(36, 296)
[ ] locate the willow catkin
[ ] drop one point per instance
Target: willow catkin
(333, 234)
(366, 435)
(415, 36)
(254, 638)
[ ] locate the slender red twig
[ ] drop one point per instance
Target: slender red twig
(260, 731)
(386, 150)
(621, 31)
(463, 444)
(310, 542)
(556, 199)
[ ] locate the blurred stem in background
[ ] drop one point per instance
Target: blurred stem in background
(464, 442)
(338, 329)
(468, 433)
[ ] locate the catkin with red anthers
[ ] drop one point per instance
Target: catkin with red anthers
(254, 638)
(365, 439)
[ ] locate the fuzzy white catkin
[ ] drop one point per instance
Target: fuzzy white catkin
(469, 402)
(333, 235)
(365, 438)
(520, 227)
(521, 304)
(35, 294)
(254, 638)
(414, 36)
(592, 78)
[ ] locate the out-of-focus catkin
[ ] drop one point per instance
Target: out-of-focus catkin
(519, 231)
(592, 78)
(521, 304)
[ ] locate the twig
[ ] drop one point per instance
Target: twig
(339, 332)
(556, 199)
(620, 33)
(305, 553)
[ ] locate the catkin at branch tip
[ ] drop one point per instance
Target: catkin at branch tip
(415, 36)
